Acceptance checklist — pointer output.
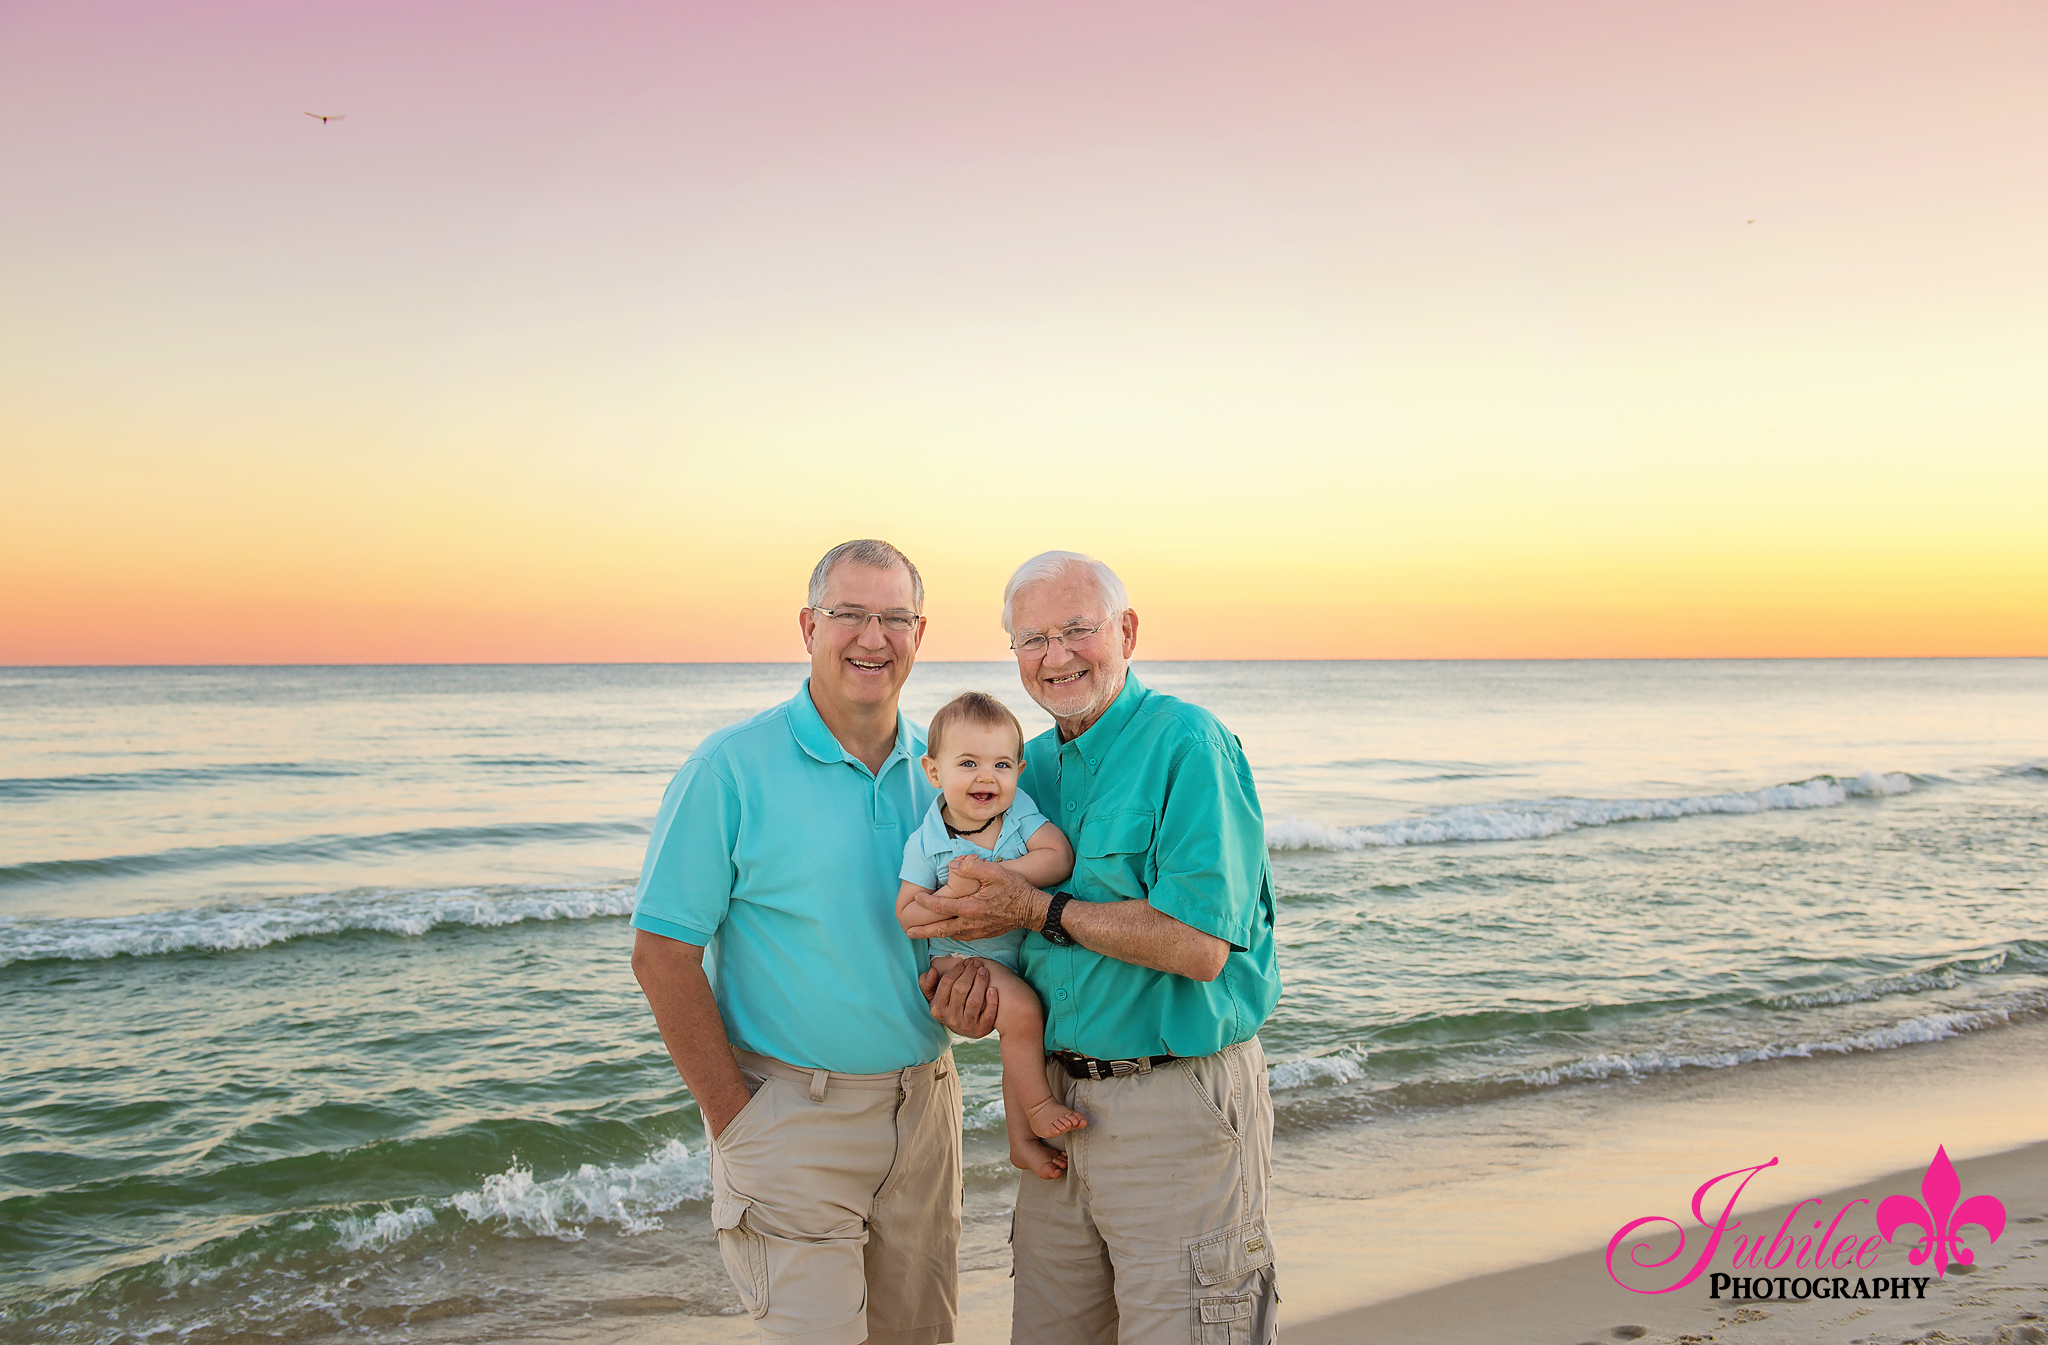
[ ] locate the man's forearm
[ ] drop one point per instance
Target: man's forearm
(671, 974)
(1129, 931)
(1132, 931)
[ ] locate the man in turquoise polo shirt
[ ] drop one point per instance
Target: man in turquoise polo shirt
(1156, 967)
(787, 993)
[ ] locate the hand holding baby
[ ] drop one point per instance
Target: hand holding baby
(959, 883)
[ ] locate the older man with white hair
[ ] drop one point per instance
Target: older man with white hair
(1156, 967)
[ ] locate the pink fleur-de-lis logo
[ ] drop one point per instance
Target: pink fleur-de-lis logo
(1941, 1216)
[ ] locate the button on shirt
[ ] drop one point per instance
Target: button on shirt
(1158, 801)
(776, 851)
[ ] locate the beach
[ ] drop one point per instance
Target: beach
(1494, 1227)
(1842, 1129)
(2003, 1300)
(316, 1019)
(1556, 478)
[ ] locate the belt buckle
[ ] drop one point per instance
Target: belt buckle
(1097, 1069)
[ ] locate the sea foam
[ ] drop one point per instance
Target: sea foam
(380, 1229)
(1534, 819)
(258, 924)
(1314, 1072)
(629, 1197)
(1907, 1032)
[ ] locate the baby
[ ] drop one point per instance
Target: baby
(975, 750)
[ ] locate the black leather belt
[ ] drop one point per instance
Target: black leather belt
(1088, 1067)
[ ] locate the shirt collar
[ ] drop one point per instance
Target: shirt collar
(1104, 731)
(937, 838)
(808, 727)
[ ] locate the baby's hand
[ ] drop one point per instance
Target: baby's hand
(958, 885)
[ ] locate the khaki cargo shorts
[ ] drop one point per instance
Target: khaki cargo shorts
(1157, 1233)
(836, 1200)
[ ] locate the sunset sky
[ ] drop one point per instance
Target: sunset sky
(1340, 329)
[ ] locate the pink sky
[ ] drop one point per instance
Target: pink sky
(1469, 296)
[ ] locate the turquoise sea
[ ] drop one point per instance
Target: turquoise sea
(315, 1015)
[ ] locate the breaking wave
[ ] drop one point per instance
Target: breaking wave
(1394, 1092)
(630, 1197)
(1941, 976)
(1536, 818)
(1315, 1072)
(1908, 1032)
(256, 925)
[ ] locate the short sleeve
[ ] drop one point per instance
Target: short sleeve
(917, 865)
(1211, 845)
(1025, 814)
(687, 880)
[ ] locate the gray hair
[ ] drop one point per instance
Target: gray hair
(879, 555)
(1058, 565)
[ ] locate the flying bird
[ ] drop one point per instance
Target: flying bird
(327, 117)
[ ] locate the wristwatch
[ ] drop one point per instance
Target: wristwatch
(1054, 931)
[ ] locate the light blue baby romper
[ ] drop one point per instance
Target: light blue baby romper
(931, 849)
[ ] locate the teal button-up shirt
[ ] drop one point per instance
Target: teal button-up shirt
(777, 851)
(1158, 801)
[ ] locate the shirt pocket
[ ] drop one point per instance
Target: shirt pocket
(1114, 858)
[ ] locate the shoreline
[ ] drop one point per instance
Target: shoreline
(1489, 1222)
(1571, 1299)
(1409, 1204)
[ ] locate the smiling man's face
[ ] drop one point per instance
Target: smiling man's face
(864, 667)
(1074, 681)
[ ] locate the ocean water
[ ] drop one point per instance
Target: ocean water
(315, 1016)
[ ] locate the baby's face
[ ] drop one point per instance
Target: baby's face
(976, 768)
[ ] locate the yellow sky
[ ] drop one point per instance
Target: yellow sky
(1376, 336)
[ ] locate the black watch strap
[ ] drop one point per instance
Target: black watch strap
(1053, 930)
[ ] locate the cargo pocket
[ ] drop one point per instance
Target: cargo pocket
(1235, 1293)
(1226, 1319)
(744, 1252)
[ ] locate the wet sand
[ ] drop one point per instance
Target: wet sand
(2002, 1297)
(1489, 1223)
(1423, 1202)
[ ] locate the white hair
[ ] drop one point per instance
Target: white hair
(1058, 565)
(878, 555)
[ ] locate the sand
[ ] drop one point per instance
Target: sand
(1489, 1223)
(2003, 1298)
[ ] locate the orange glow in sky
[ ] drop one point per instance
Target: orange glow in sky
(1471, 330)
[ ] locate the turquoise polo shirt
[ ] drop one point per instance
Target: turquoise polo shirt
(928, 858)
(776, 851)
(1158, 801)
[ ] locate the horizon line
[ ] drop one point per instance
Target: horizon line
(797, 663)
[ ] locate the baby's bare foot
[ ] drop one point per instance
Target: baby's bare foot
(1049, 1118)
(1042, 1159)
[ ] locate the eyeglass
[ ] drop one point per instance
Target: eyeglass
(1068, 637)
(896, 621)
